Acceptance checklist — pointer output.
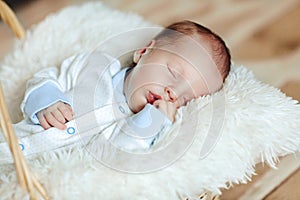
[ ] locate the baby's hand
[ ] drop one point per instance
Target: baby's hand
(166, 107)
(55, 115)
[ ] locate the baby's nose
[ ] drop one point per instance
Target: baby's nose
(170, 95)
(179, 94)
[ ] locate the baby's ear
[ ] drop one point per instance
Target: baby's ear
(140, 52)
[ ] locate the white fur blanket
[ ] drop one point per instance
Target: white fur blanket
(246, 122)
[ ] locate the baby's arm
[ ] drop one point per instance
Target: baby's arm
(141, 130)
(45, 98)
(46, 90)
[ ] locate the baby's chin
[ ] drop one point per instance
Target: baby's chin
(136, 107)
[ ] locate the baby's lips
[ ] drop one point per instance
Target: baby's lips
(151, 97)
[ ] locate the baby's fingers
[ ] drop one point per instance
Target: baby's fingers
(168, 108)
(66, 112)
(53, 121)
(43, 121)
(58, 116)
(160, 104)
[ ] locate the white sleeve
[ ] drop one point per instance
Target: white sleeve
(63, 78)
(50, 85)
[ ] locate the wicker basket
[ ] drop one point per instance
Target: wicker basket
(27, 180)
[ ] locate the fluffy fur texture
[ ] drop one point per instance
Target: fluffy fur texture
(259, 123)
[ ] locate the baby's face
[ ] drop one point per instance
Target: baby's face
(175, 73)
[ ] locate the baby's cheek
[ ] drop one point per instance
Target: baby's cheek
(136, 102)
(153, 76)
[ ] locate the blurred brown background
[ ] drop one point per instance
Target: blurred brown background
(263, 35)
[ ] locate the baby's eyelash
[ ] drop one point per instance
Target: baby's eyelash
(172, 72)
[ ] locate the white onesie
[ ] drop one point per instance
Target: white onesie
(92, 84)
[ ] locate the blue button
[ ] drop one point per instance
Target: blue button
(121, 109)
(22, 147)
(71, 130)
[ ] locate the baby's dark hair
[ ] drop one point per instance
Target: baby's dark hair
(221, 54)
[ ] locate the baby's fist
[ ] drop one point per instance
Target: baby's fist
(55, 115)
(166, 107)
